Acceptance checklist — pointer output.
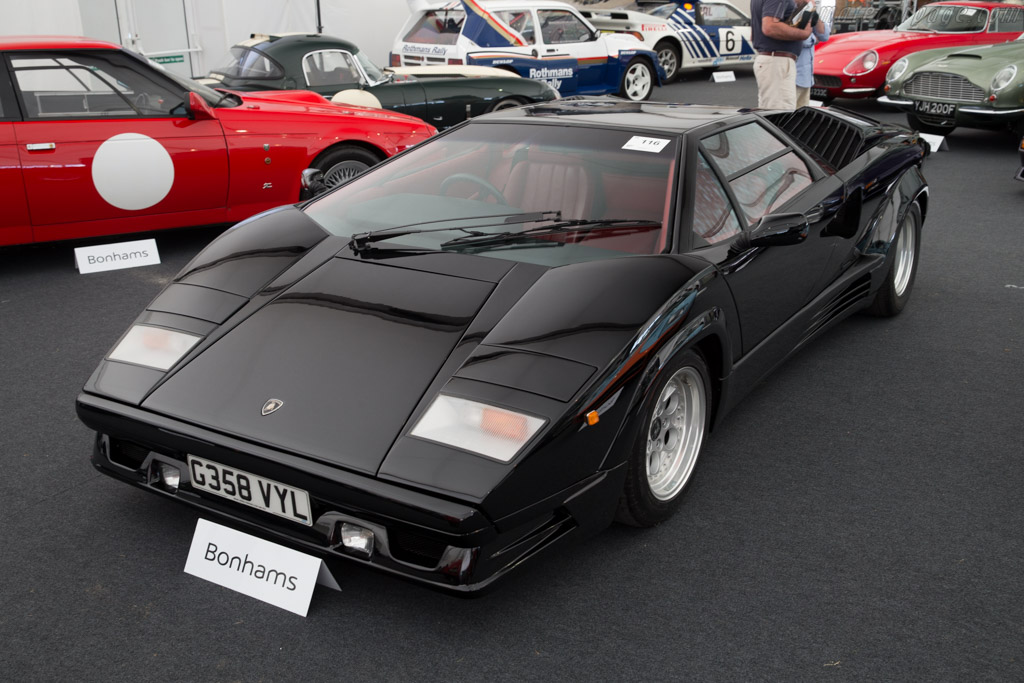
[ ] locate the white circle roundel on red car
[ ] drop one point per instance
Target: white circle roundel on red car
(132, 171)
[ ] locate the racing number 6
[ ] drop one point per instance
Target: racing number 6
(727, 41)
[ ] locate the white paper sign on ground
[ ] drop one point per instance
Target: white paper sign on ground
(116, 256)
(815, 103)
(936, 142)
(258, 568)
(723, 76)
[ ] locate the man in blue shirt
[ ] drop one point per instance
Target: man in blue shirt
(821, 32)
(778, 44)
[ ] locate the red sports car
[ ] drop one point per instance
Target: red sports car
(94, 140)
(853, 65)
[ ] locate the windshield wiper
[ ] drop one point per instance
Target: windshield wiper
(362, 241)
(613, 225)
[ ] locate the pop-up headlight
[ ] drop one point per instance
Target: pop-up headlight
(154, 347)
(488, 430)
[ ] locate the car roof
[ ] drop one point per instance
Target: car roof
(55, 43)
(969, 3)
(306, 41)
(663, 117)
(505, 4)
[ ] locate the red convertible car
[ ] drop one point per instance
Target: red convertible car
(853, 65)
(96, 141)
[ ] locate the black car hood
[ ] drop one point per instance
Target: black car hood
(347, 351)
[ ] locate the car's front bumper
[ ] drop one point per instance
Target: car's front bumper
(844, 86)
(419, 536)
(968, 114)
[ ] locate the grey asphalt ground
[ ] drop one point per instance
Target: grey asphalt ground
(858, 518)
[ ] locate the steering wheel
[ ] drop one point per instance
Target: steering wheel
(487, 187)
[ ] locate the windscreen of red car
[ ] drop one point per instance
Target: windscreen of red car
(524, 182)
(947, 19)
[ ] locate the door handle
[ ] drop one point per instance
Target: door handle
(40, 146)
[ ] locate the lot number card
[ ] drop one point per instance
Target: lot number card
(258, 568)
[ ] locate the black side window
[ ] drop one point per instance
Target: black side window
(714, 219)
(762, 171)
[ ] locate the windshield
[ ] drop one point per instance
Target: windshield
(437, 27)
(664, 11)
(373, 72)
(244, 62)
(488, 178)
(947, 19)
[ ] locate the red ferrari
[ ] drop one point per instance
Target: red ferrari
(853, 65)
(94, 140)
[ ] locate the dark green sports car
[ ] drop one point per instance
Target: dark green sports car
(335, 68)
(980, 86)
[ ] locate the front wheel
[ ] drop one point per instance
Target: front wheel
(676, 417)
(341, 164)
(670, 59)
(638, 80)
(928, 128)
(894, 293)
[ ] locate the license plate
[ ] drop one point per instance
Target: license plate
(819, 93)
(947, 109)
(249, 489)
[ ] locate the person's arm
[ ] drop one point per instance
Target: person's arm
(822, 31)
(780, 30)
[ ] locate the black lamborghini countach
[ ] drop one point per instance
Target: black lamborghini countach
(514, 333)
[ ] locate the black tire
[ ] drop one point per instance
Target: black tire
(669, 57)
(341, 164)
(638, 80)
(894, 293)
(922, 127)
(506, 103)
(644, 503)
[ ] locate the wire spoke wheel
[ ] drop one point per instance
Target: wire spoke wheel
(344, 171)
(675, 433)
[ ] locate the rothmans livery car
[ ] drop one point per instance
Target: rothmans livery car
(685, 35)
(547, 41)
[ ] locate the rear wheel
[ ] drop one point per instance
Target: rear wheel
(676, 417)
(669, 58)
(894, 293)
(637, 81)
(931, 129)
(341, 164)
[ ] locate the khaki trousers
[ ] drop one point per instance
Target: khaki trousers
(776, 82)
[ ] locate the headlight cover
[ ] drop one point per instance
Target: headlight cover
(154, 347)
(1004, 77)
(862, 63)
(484, 429)
(897, 70)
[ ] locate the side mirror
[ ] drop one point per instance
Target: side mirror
(198, 109)
(773, 230)
(779, 229)
(312, 183)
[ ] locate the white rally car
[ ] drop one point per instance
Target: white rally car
(538, 39)
(685, 35)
